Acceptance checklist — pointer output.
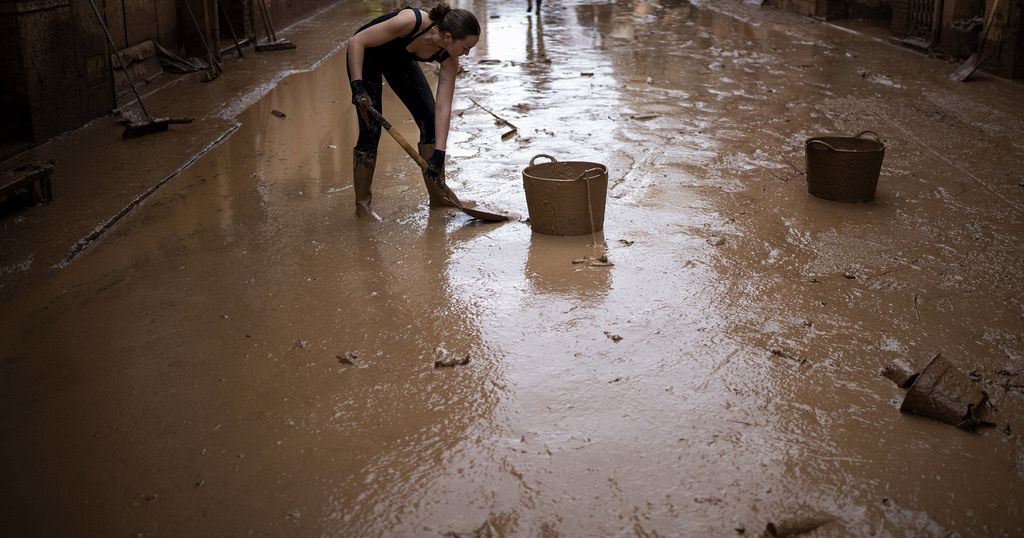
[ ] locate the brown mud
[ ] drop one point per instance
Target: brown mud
(153, 386)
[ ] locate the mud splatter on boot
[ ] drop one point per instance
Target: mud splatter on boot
(363, 164)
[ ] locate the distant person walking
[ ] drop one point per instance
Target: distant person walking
(391, 47)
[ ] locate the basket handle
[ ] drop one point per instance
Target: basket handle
(539, 155)
(862, 133)
(585, 172)
(823, 143)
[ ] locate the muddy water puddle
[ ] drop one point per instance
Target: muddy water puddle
(192, 358)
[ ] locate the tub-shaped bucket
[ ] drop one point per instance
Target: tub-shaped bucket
(844, 168)
(567, 197)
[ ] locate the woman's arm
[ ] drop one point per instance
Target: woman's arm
(376, 35)
(443, 101)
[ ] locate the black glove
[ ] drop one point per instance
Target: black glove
(435, 167)
(360, 97)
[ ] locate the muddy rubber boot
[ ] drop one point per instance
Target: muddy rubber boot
(363, 163)
(438, 197)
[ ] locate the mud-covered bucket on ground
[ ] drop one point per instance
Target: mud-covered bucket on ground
(844, 168)
(565, 197)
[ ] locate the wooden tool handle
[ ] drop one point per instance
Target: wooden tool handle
(449, 195)
(397, 136)
(407, 147)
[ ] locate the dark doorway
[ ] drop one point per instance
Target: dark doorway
(234, 16)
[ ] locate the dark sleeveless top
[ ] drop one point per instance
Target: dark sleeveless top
(398, 45)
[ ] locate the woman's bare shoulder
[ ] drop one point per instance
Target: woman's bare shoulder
(406, 19)
(399, 25)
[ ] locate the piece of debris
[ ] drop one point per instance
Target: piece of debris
(616, 380)
(788, 356)
(32, 178)
(716, 241)
(348, 358)
(643, 117)
(627, 242)
(278, 113)
(149, 497)
(1009, 384)
(586, 74)
(807, 323)
(798, 525)
(499, 121)
(614, 337)
(900, 372)
(489, 61)
(1019, 462)
(300, 344)
(332, 146)
(944, 393)
(600, 261)
(849, 276)
(446, 361)
(453, 361)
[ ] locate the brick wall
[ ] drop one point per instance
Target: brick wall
(807, 8)
(1008, 39)
(55, 72)
(15, 124)
(822, 9)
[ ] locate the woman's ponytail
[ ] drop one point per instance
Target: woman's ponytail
(457, 22)
(438, 12)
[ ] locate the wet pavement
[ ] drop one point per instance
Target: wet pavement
(241, 354)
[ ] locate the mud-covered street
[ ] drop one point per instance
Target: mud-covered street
(240, 354)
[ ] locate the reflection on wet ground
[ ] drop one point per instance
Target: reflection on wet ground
(243, 353)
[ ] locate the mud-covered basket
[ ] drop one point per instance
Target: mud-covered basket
(565, 197)
(844, 168)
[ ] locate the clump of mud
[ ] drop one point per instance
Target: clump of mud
(446, 360)
(900, 372)
(600, 261)
(797, 525)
